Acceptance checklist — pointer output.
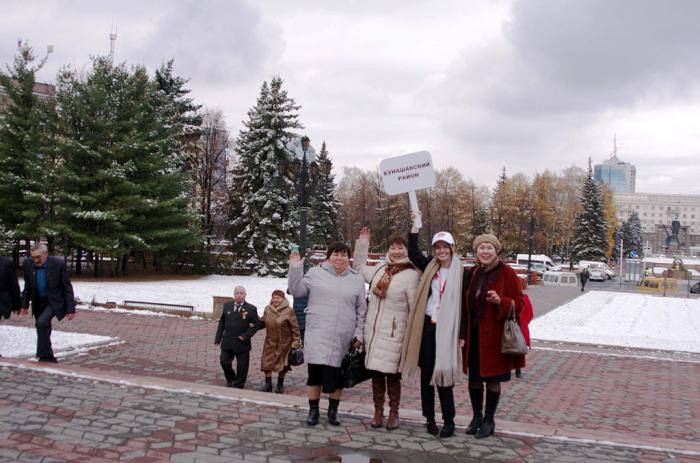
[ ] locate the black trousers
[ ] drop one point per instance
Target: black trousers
(43, 329)
(238, 377)
(426, 362)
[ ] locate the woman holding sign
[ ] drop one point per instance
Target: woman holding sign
(432, 337)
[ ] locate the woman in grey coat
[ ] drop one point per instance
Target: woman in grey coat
(335, 318)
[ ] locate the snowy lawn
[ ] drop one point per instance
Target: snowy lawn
(16, 341)
(195, 291)
(624, 319)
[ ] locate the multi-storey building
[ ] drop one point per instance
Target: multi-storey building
(657, 213)
(621, 176)
(40, 89)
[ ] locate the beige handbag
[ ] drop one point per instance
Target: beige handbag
(512, 341)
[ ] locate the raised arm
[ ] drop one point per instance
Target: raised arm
(298, 283)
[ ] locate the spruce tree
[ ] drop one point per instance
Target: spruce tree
(27, 181)
(262, 228)
(630, 231)
(590, 231)
(324, 206)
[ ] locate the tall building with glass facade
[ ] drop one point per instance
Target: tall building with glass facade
(621, 176)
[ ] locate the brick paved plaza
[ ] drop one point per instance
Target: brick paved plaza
(159, 396)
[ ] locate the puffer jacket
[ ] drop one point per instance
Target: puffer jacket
(335, 313)
(385, 325)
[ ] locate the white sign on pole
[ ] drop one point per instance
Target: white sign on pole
(406, 174)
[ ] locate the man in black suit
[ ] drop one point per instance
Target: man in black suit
(238, 323)
(47, 286)
(10, 300)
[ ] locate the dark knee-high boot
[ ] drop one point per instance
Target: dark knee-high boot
(378, 391)
(333, 412)
(312, 420)
(393, 384)
(477, 399)
(488, 426)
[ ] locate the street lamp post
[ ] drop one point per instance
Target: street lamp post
(305, 176)
(529, 247)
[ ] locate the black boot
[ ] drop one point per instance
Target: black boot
(448, 429)
(477, 398)
(280, 385)
(312, 420)
(267, 387)
(333, 412)
(431, 427)
(489, 425)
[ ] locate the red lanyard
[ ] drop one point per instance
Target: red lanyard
(441, 285)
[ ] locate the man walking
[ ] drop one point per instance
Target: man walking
(584, 278)
(47, 286)
(10, 299)
(238, 323)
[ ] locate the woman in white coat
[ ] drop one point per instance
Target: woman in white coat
(392, 295)
(335, 318)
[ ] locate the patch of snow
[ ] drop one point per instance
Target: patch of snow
(624, 319)
(17, 341)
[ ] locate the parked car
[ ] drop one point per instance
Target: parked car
(695, 289)
(596, 271)
(609, 273)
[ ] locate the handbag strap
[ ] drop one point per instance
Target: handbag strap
(369, 290)
(511, 313)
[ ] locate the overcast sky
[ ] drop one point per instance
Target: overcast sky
(481, 84)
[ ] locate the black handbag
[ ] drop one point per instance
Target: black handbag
(296, 357)
(352, 368)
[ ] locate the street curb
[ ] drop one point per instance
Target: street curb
(361, 410)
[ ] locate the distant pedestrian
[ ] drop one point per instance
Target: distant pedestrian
(584, 278)
(493, 291)
(48, 288)
(10, 298)
(335, 319)
(281, 336)
(238, 323)
(392, 296)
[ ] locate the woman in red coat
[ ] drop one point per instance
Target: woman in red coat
(492, 288)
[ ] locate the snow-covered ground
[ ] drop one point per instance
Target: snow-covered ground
(624, 319)
(17, 341)
(195, 291)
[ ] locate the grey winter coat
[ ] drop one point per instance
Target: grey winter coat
(335, 313)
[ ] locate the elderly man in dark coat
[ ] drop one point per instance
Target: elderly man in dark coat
(238, 323)
(10, 300)
(48, 288)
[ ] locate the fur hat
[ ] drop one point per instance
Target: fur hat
(278, 292)
(487, 238)
(443, 236)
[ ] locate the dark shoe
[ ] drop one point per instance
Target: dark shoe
(267, 387)
(488, 426)
(448, 429)
(333, 412)
(431, 427)
(393, 421)
(312, 420)
(474, 424)
(229, 383)
(280, 386)
(48, 359)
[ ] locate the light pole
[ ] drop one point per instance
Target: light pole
(305, 175)
(529, 246)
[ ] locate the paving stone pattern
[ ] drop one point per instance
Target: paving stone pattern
(55, 418)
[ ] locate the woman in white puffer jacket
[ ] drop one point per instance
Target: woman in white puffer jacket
(392, 295)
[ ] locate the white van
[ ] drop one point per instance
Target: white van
(609, 273)
(560, 279)
(545, 261)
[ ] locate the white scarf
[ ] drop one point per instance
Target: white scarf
(448, 355)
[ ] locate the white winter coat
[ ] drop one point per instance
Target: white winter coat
(335, 313)
(385, 325)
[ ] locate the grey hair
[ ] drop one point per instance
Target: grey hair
(241, 288)
(41, 247)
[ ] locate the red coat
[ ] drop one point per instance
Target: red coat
(491, 361)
